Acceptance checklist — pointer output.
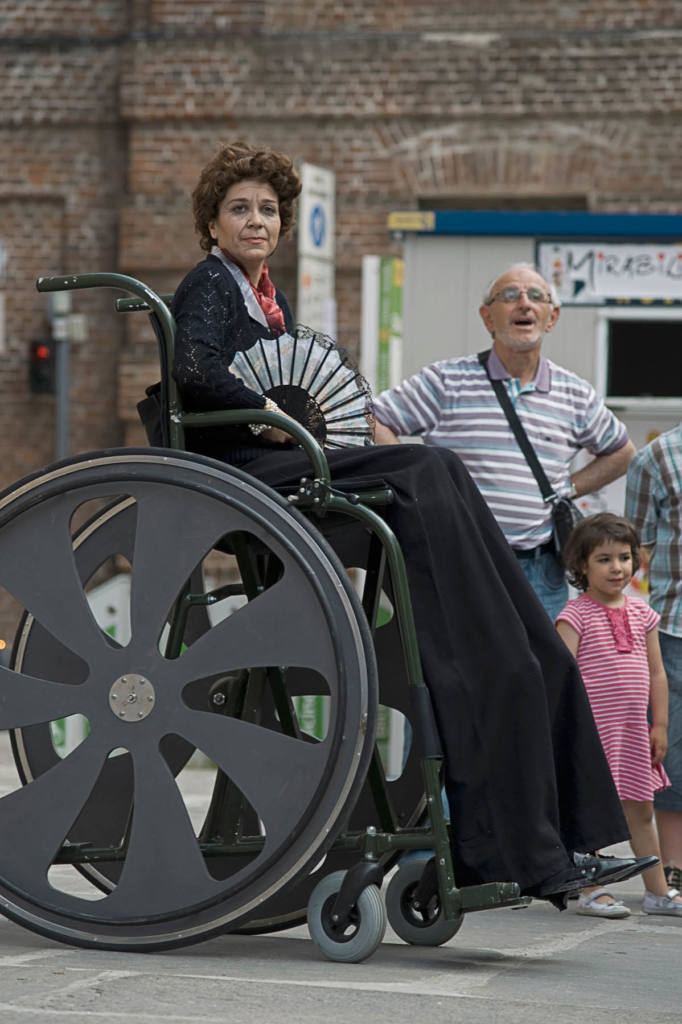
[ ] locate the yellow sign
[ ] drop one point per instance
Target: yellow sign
(412, 220)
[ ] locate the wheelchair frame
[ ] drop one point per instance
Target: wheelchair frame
(345, 913)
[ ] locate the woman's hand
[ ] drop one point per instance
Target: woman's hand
(278, 435)
(275, 434)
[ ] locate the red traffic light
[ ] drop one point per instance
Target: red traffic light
(42, 366)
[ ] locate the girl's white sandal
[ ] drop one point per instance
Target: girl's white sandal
(652, 904)
(589, 906)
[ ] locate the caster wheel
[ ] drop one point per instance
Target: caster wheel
(362, 934)
(420, 926)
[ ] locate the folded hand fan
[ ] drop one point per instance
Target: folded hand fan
(314, 382)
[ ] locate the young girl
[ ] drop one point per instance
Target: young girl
(614, 639)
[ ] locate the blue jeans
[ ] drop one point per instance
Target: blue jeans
(671, 649)
(546, 575)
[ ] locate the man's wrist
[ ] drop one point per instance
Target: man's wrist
(572, 490)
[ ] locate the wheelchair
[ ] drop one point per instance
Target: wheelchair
(298, 819)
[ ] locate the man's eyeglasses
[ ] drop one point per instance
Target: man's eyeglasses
(514, 294)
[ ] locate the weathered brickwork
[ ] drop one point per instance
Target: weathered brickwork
(374, 75)
(80, 173)
(493, 16)
(36, 227)
(23, 20)
(110, 108)
(221, 15)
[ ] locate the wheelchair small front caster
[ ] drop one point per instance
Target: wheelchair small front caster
(363, 931)
(421, 924)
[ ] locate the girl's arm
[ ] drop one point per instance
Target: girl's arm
(658, 698)
(570, 636)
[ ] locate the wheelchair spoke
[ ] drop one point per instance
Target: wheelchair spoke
(36, 819)
(37, 567)
(173, 534)
(161, 837)
(26, 701)
(282, 626)
(273, 771)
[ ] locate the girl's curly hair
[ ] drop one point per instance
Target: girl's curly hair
(237, 163)
(589, 534)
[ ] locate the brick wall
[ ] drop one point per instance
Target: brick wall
(35, 228)
(109, 109)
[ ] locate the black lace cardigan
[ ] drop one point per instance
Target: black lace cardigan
(213, 324)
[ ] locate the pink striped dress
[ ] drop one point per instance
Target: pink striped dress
(612, 658)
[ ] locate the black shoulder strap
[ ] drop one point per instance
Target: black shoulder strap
(520, 434)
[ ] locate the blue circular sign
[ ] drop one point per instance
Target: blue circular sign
(318, 225)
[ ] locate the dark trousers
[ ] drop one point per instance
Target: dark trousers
(525, 774)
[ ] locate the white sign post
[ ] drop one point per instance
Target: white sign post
(382, 321)
(316, 306)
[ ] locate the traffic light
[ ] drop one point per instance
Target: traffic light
(42, 366)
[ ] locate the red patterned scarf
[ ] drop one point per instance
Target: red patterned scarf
(265, 296)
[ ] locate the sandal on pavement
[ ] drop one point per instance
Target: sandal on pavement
(589, 906)
(652, 904)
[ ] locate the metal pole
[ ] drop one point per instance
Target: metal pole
(62, 375)
(60, 308)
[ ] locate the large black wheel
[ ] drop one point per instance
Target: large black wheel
(148, 711)
(103, 819)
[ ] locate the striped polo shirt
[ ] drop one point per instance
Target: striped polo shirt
(451, 403)
(653, 502)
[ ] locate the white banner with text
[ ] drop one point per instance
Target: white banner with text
(592, 273)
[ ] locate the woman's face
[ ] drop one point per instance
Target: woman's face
(248, 224)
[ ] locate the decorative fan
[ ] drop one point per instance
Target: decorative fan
(312, 381)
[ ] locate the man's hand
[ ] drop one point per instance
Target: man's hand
(603, 469)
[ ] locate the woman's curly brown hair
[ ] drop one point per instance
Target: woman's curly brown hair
(588, 535)
(237, 163)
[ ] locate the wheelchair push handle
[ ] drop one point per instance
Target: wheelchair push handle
(105, 279)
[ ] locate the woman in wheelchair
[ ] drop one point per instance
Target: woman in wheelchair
(527, 783)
